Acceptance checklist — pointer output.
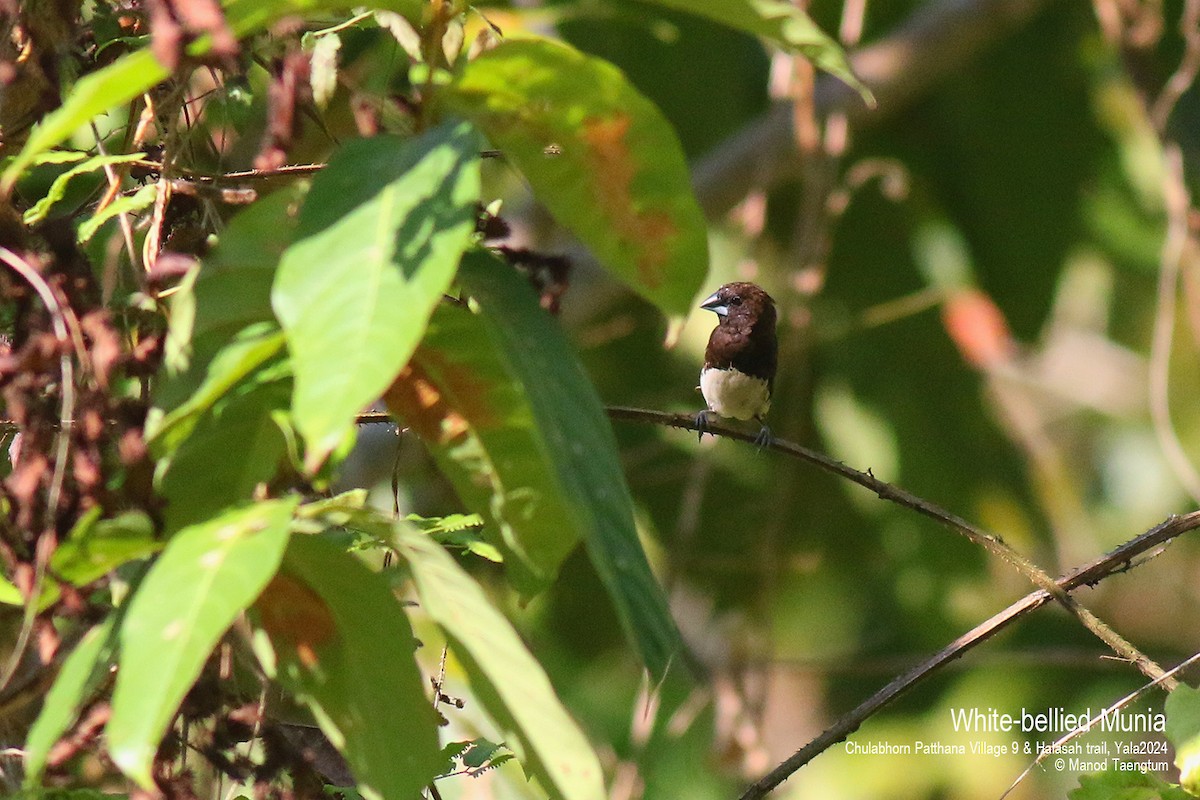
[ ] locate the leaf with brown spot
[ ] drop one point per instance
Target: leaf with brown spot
(619, 180)
(344, 648)
(538, 459)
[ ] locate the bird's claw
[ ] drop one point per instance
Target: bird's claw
(702, 425)
(764, 438)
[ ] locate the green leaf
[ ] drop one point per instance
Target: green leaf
(58, 189)
(380, 237)
(619, 179)
(487, 440)
(503, 674)
(117, 83)
(247, 16)
(249, 350)
(202, 477)
(81, 673)
(229, 300)
(1182, 708)
(458, 531)
(125, 204)
(578, 443)
(1126, 785)
(94, 550)
(783, 23)
(344, 648)
(207, 575)
(10, 595)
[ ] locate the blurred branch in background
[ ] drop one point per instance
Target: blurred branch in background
(937, 40)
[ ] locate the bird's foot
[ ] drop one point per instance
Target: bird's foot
(764, 438)
(702, 424)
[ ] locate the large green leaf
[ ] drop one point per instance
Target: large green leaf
(486, 438)
(522, 434)
(503, 674)
(81, 673)
(343, 647)
(785, 24)
(380, 237)
(618, 179)
(221, 322)
(207, 575)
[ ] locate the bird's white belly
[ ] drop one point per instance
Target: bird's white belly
(734, 394)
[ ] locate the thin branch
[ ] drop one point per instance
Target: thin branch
(61, 449)
(1055, 746)
(1117, 561)
(67, 405)
(1185, 74)
(886, 491)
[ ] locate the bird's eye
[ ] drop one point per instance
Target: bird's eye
(735, 301)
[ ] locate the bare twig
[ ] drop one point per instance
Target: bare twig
(1185, 74)
(1117, 561)
(67, 405)
(61, 449)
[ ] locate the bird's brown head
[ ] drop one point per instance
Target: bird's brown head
(742, 305)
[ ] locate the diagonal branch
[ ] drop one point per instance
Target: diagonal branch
(886, 491)
(1115, 562)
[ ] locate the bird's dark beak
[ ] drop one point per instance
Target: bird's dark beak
(715, 305)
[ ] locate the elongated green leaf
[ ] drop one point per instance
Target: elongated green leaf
(344, 648)
(486, 438)
(58, 189)
(229, 299)
(119, 82)
(133, 74)
(618, 179)
(94, 548)
(222, 328)
(81, 673)
(99, 548)
(579, 446)
(785, 24)
(247, 352)
(137, 201)
(202, 478)
(503, 674)
(207, 575)
(380, 237)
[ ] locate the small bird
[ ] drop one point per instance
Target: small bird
(740, 360)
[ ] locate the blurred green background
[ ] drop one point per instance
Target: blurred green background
(972, 321)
